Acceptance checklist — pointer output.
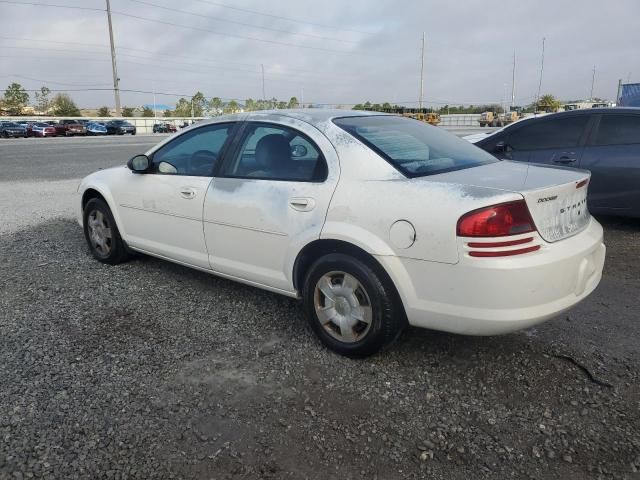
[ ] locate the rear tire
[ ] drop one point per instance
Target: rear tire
(353, 309)
(101, 233)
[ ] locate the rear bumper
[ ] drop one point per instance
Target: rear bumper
(489, 296)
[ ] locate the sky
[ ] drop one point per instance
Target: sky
(323, 52)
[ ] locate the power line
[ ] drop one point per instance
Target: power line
(161, 22)
(231, 35)
(35, 4)
(225, 20)
(104, 46)
(288, 19)
(56, 83)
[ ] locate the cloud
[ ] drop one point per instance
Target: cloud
(369, 50)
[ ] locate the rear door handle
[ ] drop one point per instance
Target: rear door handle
(302, 204)
(187, 192)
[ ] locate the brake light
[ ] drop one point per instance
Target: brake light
(511, 218)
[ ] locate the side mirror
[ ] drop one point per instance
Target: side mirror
(139, 164)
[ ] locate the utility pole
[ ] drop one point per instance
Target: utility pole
(263, 95)
(541, 70)
(619, 93)
(116, 80)
(153, 88)
(593, 81)
(422, 73)
(513, 81)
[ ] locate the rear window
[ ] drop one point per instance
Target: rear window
(414, 147)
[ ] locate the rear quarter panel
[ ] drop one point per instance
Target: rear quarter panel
(372, 195)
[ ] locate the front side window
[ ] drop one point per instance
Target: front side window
(618, 130)
(193, 153)
(563, 132)
(412, 146)
(274, 152)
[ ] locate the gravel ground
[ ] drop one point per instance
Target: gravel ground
(151, 370)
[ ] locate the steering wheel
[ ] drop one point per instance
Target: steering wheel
(202, 162)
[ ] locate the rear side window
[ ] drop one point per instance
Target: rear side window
(618, 130)
(275, 152)
(412, 146)
(564, 132)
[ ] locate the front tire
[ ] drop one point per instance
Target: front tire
(101, 233)
(352, 307)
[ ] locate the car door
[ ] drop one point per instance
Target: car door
(269, 200)
(161, 210)
(552, 140)
(612, 155)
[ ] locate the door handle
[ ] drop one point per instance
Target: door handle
(302, 204)
(565, 159)
(187, 192)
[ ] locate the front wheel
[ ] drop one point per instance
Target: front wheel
(351, 306)
(101, 233)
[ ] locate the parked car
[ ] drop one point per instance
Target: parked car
(373, 220)
(120, 127)
(12, 129)
(164, 128)
(69, 128)
(95, 128)
(605, 141)
(41, 129)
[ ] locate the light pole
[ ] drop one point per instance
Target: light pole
(422, 73)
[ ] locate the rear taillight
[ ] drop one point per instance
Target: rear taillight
(512, 218)
(504, 219)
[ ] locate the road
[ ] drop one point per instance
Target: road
(63, 158)
(152, 370)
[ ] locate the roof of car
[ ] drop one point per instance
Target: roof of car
(587, 111)
(315, 115)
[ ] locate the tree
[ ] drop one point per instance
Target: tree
(199, 103)
(293, 102)
(548, 103)
(147, 111)
(128, 111)
(15, 99)
(232, 107)
(104, 112)
(183, 108)
(214, 106)
(281, 105)
(250, 105)
(63, 106)
(42, 100)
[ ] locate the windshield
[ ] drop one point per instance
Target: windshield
(10, 124)
(414, 147)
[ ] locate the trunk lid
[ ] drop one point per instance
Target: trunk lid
(556, 196)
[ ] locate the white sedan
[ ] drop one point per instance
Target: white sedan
(375, 221)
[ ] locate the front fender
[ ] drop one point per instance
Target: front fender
(98, 184)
